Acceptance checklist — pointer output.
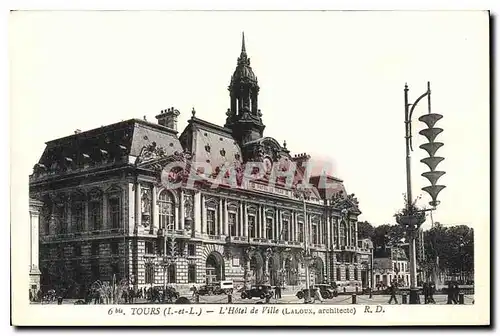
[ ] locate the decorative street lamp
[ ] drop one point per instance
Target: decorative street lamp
(167, 259)
(302, 193)
(411, 218)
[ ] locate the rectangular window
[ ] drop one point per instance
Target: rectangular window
(191, 273)
(172, 273)
(77, 271)
(114, 248)
(338, 274)
(94, 269)
(252, 228)
(114, 212)
(77, 250)
(347, 275)
(149, 246)
(232, 223)
(115, 270)
(192, 250)
(315, 234)
(95, 249)
(269, 228)
(356, 274)
(286, 230)
(77, 213)
(149, 273)
(211, 222)
(95, 215)
(61, 216)
(301, 232)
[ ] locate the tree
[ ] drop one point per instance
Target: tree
(454, 248)
(365, 230)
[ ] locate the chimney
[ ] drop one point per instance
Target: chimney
(168, 118)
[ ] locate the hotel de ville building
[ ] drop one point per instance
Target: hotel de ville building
(105, 213)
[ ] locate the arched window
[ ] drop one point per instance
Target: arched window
(166, 209)
(343, 233)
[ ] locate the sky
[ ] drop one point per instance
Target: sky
(331, 86)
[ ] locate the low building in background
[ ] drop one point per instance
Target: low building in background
(393, 267)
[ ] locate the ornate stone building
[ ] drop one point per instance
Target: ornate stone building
(107, 214)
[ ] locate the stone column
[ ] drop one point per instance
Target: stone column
(276, 225)
(154, 209)
(105, 224)
(329, 231)
(220, 220)
(86, 224)
(196, 225)
(264, 222)
(296, 226)
(246, 231)
(203, 221)
(176, 222)
(356, 233)
(69, 217)
(338, 228)
(226, 219)
(239, 227)
(34, 207)
(137, 206)
(182, 211)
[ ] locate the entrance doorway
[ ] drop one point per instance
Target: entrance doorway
(214, 268)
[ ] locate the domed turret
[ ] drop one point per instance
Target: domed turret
(243, 72)
(244, 117)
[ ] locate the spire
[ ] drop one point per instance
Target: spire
(243, 59)
(243, 50)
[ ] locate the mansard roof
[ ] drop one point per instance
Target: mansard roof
(108, 145)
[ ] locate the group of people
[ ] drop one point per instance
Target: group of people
(429, 288)
(453, 293)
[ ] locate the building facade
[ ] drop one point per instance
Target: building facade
(113, 208)
(393, 268)
(34, 207)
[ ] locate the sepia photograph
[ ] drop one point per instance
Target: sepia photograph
(250, 167)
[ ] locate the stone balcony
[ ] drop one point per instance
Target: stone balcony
(82, 235)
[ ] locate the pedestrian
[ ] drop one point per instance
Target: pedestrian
(432, 290)
(456, 292)
(425, 289)
(317, 295)
(393, 293)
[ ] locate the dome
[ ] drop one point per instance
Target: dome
(243, 72)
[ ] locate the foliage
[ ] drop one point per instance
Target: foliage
(453, 245)
(365, 230)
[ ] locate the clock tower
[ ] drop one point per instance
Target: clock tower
(244, 117)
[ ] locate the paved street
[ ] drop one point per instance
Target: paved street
(339, 300)
(292, 299)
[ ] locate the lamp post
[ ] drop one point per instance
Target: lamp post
(166, 261)
(307, 251)
(411, 218)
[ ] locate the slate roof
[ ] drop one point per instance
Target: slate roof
(111, 143)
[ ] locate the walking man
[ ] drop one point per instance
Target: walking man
(393, 293)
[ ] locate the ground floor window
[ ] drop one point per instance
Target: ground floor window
(356, 274)
(347, 275)
(172, 273)
(191, 273)
(150, 273)
(338, 274)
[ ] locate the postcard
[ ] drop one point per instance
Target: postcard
(257, 168)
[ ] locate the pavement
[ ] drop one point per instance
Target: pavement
(292, 299)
